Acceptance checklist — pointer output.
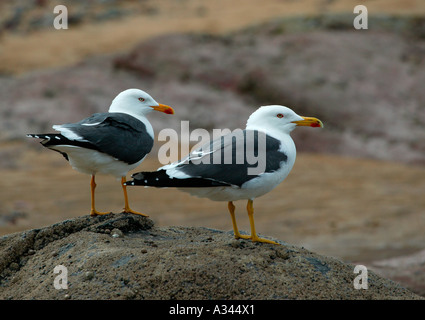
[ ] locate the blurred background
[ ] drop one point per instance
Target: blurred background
(357, 188)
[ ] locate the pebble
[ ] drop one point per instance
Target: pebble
(117, 233)
(237, 243)
(14, 266)
(89, 275)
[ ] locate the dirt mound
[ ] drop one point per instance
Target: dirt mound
(126, 257)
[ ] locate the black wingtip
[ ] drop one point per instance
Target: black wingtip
(161, 179)
(49, 140)
(36, 136)
(45, 136)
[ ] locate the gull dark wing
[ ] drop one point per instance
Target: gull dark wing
(116, 134)
(228, 158)
(225, 161)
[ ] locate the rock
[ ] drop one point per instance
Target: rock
(171, 263)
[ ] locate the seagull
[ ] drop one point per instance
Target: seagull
(224, 169)
(113, 142)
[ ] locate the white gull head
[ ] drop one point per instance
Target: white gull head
(279, 120)
(137, 103)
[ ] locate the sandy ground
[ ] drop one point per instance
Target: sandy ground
(356, 209)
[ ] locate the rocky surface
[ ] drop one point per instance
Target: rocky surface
(121, 256)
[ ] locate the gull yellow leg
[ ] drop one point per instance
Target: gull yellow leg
(254, 237)
(93, 211)
(126, 205)
(231, 207)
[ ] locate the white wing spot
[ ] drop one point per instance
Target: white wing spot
(90, 124)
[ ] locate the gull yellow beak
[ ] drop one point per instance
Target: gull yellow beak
(163, 108)
(309, 122)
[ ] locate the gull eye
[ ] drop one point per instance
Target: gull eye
(141, 99)
(279, 115)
